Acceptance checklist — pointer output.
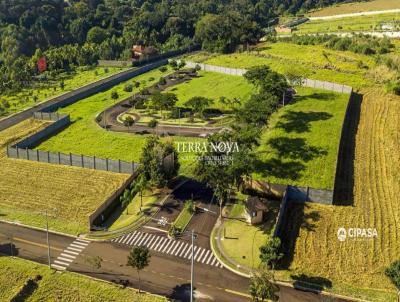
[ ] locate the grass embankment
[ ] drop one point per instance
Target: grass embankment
(356, 267)
(132, 213)
(311, 61)
(84, 136)
(213, 85)
(349, 24)
(63, 287)
(301, 143)
(356, 7)
(242, 241)
(184, 217)
(43, 91)
(69, 194)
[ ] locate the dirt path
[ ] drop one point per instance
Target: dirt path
(376, 12)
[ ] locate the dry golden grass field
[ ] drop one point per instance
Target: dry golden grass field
(356, 7)
(356, 267)
(69, 194)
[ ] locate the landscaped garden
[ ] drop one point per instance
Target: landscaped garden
(45, 88)
(53, 286)
(241, 240)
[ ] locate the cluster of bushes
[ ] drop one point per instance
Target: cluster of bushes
(363, 44)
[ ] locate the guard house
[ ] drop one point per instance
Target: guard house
(255, 210)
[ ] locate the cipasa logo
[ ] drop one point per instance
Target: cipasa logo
(356, 233)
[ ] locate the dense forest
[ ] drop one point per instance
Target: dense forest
(78, 32)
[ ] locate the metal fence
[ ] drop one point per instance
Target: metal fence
(305, 82)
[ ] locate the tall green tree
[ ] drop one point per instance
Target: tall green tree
(262, 287)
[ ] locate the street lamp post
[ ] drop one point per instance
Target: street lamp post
(48, 242)
(192, 270)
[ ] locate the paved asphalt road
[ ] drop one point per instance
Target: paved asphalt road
(166, 275)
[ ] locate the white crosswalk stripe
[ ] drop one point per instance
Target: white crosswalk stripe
(68, 255)
(168, 246)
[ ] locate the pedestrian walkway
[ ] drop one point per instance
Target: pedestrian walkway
(168, 246)
(69, 254)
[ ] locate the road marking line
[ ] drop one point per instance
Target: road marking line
(69, 256)
(172, 245)
(143, 239)
(237, 293)
(77, 247)
(81, 243)
(148, 239)
(210, 258)
(155, 242)
(70, 252)
(126, 238)
(176, 247)
(151, 241)
(119, 239)
(62, 263)
(168, 244)
(137, 239)
(213, 262)
(164, 242)
(61, 268)
(64, 259)
(205, 256)
(83, 240)
(201, 255)
(188, 251)
(192, 253)
(133, 238)
(197, 252)
(36, 244)
(183, 250)
(155, 229)
(158, 243)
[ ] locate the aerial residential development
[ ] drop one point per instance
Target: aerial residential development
(202, 150)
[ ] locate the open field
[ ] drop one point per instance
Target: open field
(310, 61)
(213, 85)
(69, 194)
(63, 287)
(43, 91)
(349, 24)
(84, 136)
(242, 241)
(301, 143)
(356, 267)
(356, 7)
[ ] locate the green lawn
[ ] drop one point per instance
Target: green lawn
(242, 241)
(301, 143)
(311, 61)
(43, 91)
(132, 214)
(213, 85)
(84, 136)
(349, 24)
(183, 218)
(60, 287)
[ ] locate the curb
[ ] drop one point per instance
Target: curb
(39, 229)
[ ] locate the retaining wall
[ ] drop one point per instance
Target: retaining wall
(281, 218)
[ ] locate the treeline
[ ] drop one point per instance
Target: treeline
(362, 44)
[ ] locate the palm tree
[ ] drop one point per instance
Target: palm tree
(142, 184)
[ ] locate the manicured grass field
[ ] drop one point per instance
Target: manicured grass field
(43, 91)
(301, 143)
(132, 214)
(84, 136)
(310, 61)
(356, 7)
(213, 85)
(242, 241)
(69, 194)
(356, 267)
(63, 287)
(349, 24)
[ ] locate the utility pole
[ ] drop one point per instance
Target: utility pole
(48, 242)
(192, 270)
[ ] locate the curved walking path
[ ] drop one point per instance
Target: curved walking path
(110, 116)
